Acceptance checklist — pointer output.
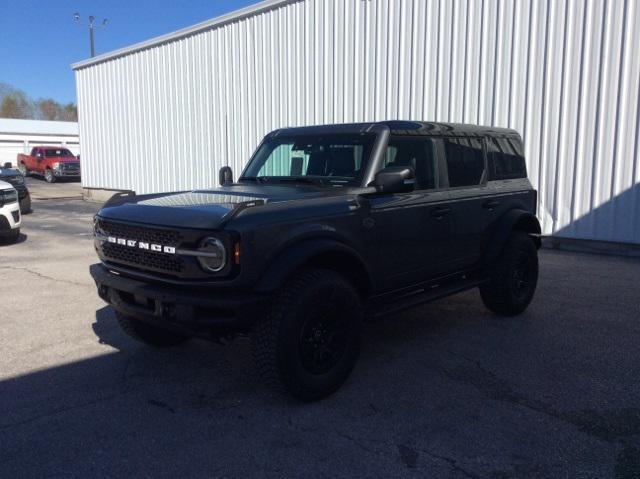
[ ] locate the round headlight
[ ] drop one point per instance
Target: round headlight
(214, 255)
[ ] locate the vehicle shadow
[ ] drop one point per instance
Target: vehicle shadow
(427, 380)
(21, 239)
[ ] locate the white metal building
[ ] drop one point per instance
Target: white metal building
(19, 136)
(167, 113)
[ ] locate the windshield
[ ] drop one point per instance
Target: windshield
(336, 160)
(57, 152)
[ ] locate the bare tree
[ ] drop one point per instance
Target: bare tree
(69, 112)
(48, 109)
(16, 104)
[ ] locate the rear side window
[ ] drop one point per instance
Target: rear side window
(465, 161)
(506, 159)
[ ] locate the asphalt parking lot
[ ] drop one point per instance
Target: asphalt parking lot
(448, 390)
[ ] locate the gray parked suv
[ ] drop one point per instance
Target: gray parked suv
(326, 227)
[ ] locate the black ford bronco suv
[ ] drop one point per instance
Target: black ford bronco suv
(326, 227)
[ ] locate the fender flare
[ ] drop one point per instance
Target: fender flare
(296, 255)
(514, 219)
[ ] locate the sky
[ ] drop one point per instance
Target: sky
(39, 39)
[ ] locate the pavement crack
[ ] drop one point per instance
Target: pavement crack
(59, 411)
(357, 442)
(43, 276)
(453, 464)
(161, 405)
(477, 363)
(609, 426)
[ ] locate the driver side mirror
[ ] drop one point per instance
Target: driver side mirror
(395, 179)
(225, 175)
(7, 164)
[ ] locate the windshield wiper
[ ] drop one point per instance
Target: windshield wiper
(254, 179)
(297, 179)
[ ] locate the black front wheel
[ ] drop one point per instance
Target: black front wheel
(309, 344)
(23, 169)
(513, 277)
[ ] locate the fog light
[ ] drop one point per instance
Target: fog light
(212, 255)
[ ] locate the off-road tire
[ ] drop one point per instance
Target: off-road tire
(290, 354)
(49, 176)
(513, 277)
(23, 169)
(148, 334)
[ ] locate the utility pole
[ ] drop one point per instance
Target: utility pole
(92, 26)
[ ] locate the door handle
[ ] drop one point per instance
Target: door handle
(491, 204)
(440, 211)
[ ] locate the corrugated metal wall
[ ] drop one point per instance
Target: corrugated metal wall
(565, 74)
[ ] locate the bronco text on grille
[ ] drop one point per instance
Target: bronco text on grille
(143, 247)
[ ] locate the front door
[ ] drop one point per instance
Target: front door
(408, 232)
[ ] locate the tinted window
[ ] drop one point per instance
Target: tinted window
(58, 152)
(465, 161)
(417, 153)
(506, 158)
(340, 159)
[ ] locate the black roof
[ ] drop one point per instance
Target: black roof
(397, 127)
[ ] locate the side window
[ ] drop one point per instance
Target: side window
(34, 152)
(465, 161)
(506, 159)
(417, 153)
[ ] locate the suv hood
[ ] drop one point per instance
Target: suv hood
(203, 209)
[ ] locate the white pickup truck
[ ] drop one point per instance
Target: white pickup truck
(9, 213)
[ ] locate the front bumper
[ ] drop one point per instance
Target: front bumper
(10, 218)
(66, 174)
(197, 311)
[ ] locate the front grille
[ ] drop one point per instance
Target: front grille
(145, 259)
(156, 261)
(70, 167)
(139, 233)
(16, 216)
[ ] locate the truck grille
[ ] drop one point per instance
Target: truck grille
(144, 259)
(70, 167)
(139, 233)
(162, 262)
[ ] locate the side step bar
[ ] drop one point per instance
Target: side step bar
(396, 301)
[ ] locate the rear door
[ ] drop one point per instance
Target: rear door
(507, 179)
(470, 198)
(409, 231)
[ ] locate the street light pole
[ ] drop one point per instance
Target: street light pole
(92, 26)
(93, 46)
